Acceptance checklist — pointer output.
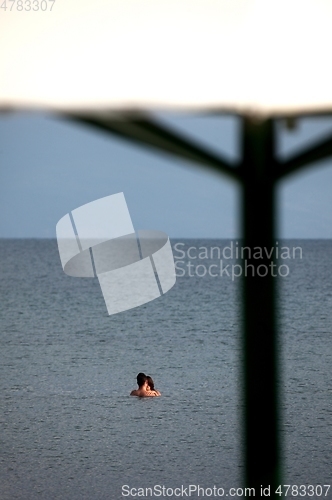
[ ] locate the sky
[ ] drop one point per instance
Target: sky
(50, 166)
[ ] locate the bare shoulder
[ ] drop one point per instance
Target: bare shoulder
(153, 393)
(145, 394)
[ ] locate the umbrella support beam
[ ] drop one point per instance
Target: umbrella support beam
(259, 271)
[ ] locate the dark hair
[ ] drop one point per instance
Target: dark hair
(150, 382)
(141, 378)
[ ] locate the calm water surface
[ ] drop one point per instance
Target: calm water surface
(69, 428)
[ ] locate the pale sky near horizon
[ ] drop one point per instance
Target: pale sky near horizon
(50, 167)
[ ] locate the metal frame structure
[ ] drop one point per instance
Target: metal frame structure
(258, 173)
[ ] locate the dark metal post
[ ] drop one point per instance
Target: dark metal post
(259, 270)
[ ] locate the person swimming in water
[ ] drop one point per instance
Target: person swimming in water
(144, 389)
(150, 386)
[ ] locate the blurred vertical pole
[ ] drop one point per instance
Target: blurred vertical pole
(259, 328)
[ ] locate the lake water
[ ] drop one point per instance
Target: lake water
(70, 429)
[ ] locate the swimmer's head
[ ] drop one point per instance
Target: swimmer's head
(141, 379)
(150, 383)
